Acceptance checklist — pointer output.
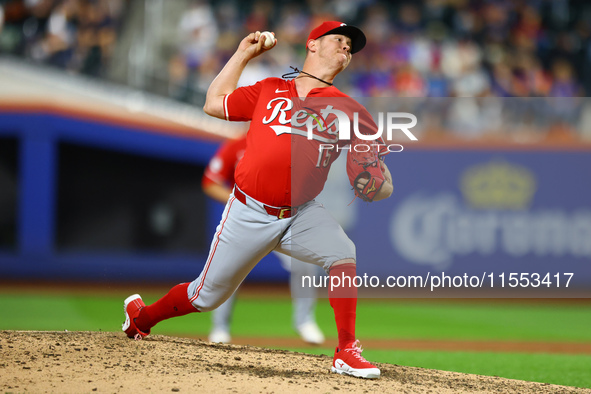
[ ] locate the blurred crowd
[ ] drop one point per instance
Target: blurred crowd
(75, 35)
(428, 48)
(431, 48)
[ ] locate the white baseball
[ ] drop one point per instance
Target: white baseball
(269, 39)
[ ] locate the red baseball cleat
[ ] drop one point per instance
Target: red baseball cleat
(132, 307)
(348, 361)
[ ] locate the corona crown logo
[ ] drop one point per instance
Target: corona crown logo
(498, 185)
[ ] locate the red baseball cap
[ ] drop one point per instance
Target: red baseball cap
(334, 27)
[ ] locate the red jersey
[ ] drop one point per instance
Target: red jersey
(222, 165)
(281, 166)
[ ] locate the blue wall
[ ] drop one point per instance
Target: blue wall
(38, 136)
(480, 213)
(453, 211)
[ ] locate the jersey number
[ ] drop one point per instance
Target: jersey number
(324, 156)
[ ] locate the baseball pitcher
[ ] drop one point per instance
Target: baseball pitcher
(272, 207)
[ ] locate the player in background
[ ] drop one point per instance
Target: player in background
(218, 182)
(270, 208)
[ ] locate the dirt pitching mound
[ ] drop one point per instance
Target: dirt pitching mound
(76, 362)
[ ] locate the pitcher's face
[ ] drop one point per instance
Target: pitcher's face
(336, 48)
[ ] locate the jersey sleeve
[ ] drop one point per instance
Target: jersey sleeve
(240, 104)
(367, 126)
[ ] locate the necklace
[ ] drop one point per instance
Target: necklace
(296, 71)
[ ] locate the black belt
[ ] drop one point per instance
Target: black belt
(280, 213)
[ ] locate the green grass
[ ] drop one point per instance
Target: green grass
(395, 319)
(568, 370)
(272, 317)
(496, 320)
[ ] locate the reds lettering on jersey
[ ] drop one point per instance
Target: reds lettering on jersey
(281, 167)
